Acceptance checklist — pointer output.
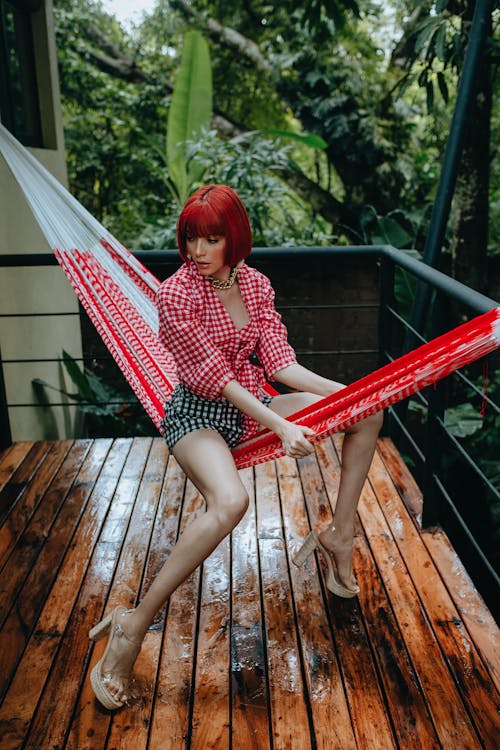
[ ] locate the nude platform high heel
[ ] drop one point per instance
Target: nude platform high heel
(312, 542)
(108, 625)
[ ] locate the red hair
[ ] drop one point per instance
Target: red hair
(216, 210)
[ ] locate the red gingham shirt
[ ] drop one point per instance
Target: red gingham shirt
(208, 349)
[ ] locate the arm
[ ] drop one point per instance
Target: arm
(301, 379)
(293, 436)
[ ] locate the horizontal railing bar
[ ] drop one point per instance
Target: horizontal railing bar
(451, 287)
(325, 352)
(71, 402)
(465, 529)
(362, 306)
(304, 352)
(406, 433)
(439, 280)
(405, 324)
(468, 460)
(11, 260)
(83, 358)
(40, 314)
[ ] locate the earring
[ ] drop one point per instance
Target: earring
(188, 256)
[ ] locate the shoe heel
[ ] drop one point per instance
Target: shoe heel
(309, 545)
(101, 629)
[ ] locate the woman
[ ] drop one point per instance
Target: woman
(215, 314)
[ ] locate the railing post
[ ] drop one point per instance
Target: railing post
(435, 411)
(386, 288)
(481, 22)
(5, 432)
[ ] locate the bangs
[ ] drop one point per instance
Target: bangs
(202, 220)
(216, 210)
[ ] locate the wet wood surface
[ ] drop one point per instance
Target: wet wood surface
(250, 652)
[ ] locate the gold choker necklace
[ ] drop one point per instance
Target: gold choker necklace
(228, 283)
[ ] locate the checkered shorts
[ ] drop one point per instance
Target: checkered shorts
(186, 412)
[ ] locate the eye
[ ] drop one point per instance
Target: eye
(214, 240)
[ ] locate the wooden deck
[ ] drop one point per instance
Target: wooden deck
(251, 652)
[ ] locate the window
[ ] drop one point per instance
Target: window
(19, 91)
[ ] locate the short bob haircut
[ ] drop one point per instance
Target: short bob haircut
(216, 210)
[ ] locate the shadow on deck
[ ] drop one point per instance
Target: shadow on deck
(251, 652)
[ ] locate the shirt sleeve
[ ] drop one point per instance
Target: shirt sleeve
(273, 349)
(201, 366)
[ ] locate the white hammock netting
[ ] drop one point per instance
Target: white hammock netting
(118, 293)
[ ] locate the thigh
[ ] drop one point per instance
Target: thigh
(206, 459)
(289, 403)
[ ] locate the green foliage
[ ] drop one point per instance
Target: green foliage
(478, 432)
(251, 164)
(439, 42)
(107, 410)
(190, 111)
(327, 75)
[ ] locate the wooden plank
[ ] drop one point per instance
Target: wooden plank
(27, 547)
(286, 686)
(470, 605)
(476, 689)
(69, 665)
(327, 699)
(18, 626)
(170, 725)
(405, 703)
(12, 494)
(366, 703)
(250, 727)
(21, 515)
(475, 614)
(11, 458)
(400, 650)
(23, 695)
(403, 479)
(130, 726)
(444, 701)
(211, 710)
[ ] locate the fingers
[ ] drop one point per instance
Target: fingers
(298, 446)
(307, 430)
(294, 439)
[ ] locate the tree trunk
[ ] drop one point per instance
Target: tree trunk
(470, 229)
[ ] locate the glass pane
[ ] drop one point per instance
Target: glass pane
(19, 102)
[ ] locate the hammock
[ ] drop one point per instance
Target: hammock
(118, 293)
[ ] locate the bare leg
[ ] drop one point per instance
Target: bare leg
(357, 454)
(206, 460)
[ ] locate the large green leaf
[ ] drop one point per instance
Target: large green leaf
(190, 111)
(307, 139)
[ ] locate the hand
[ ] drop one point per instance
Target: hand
(294, 439)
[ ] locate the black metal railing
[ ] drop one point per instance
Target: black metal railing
(433, 450)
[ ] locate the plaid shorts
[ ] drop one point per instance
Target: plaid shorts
(186, 412)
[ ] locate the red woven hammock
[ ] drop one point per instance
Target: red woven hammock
(118, 293)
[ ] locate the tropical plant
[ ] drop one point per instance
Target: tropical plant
(189, 114)
(103, 409)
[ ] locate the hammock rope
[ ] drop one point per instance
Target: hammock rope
(118, 293)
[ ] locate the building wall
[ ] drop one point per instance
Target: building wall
(36, 290)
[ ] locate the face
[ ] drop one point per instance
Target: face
(209, 254)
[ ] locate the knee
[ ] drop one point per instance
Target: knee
(230, 506)
(369, 425)
(375, 421)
